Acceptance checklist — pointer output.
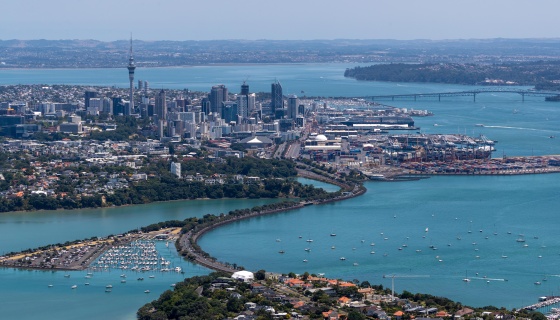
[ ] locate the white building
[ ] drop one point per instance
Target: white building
(176, 169)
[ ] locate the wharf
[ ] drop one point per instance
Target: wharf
(544, 302)
(505, 166)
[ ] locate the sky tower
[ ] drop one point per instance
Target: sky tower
(131, 68)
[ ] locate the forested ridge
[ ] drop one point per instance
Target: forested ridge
(542, 74)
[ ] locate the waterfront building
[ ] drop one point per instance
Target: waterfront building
(130, 68)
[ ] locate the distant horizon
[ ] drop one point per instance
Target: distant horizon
(302, 40)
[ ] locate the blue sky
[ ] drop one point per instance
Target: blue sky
(279, 20)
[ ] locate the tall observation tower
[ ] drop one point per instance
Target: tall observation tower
(131, 68)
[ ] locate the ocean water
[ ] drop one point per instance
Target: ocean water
(445, 205)
(24, 294)
(496, 210)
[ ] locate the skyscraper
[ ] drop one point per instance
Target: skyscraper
(89, 95)
(161, 105)
(218, 94)
(293, 107)
(245, 102)
(131, 68)
(277, 99)
(245, 89)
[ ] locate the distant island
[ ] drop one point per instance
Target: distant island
(541, 74)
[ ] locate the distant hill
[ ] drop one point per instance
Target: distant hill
(542, 74)
(99, 54)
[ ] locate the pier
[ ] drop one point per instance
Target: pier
(467, 93)
(544, 303)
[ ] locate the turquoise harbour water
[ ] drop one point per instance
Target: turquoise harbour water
(445, 205)
(24, 294)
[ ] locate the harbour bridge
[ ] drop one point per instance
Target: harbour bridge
(473, 93)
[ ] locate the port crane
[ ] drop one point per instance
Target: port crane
(409, 276)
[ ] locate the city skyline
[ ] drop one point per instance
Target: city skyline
(290, 20)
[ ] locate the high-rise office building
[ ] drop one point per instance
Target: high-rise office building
(245, 102)
(293, 104)
(89, 95)
(131, 68)
(218, 94)
(160, 105)
(277, 99)
(244, 89)
(230, 111)
(205, 105)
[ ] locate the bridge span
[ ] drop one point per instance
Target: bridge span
(473, 93)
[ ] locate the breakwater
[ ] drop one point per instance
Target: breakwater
(187, 243)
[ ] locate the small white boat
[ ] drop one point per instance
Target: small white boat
(108, 286)
(372, 252)
(50, 285)
(74, 287)
(307, 249)
(333, 234)
(333, 247)
(355, 264)
(342, 258)
(147, 291)
(152, 276)
(537, 283)
(87, 283)
(123, 281)
(304, 260)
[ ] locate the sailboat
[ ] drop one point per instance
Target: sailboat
(466, 279)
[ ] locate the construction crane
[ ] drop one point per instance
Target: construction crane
(409, 276)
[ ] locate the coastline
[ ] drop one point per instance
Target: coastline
(188, 246)
(93, 248)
